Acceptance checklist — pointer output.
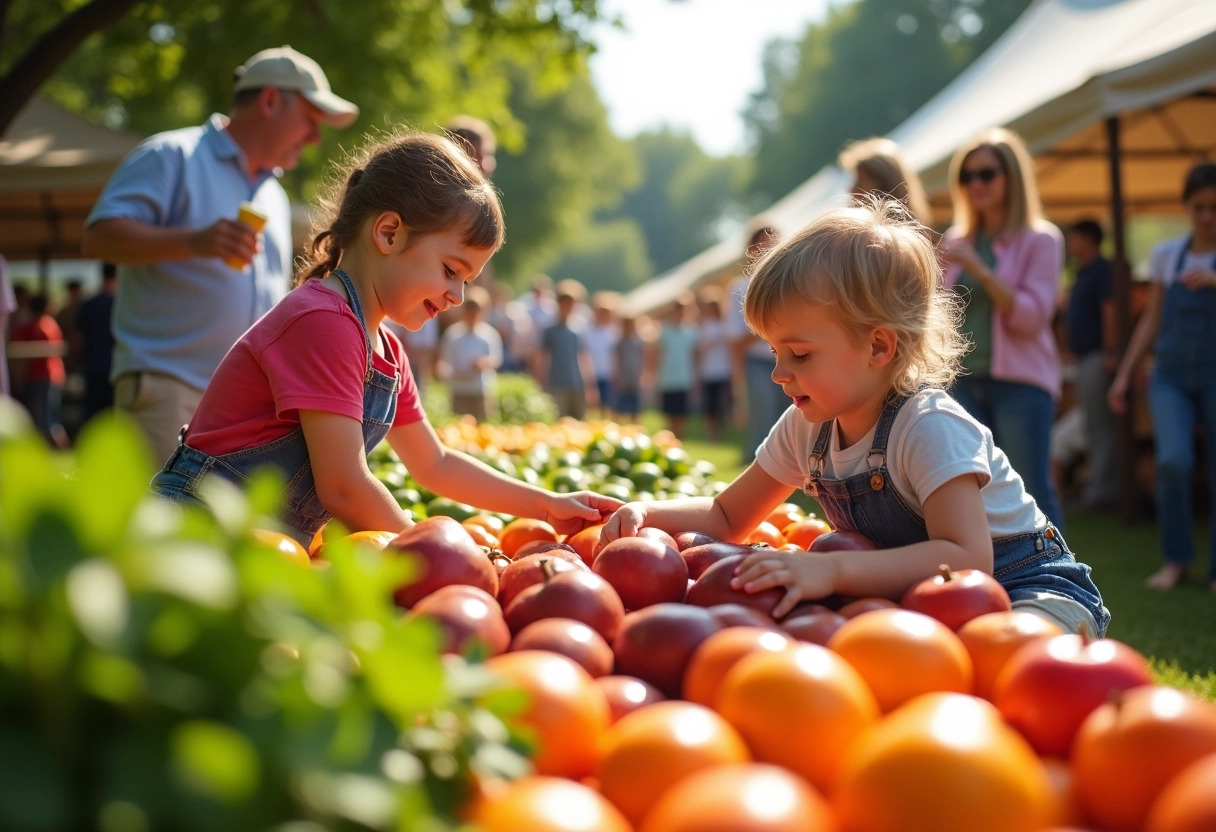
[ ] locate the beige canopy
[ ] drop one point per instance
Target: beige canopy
(53, 165)
(1066, 76)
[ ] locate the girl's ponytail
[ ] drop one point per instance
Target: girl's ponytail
(323, 255)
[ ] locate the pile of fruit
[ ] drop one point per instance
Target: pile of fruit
(662, 700)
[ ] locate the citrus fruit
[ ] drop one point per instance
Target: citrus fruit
(523, 530)
(285, 545)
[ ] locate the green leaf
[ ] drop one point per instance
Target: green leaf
(216, 761)
(114, 469)
(97, 597)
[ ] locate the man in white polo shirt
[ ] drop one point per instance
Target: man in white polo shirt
(168, 217)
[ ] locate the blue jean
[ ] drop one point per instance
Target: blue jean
(1176, 409)
(1019, 416)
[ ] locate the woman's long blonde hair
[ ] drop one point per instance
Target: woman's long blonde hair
(1022, 204)
(873, 267)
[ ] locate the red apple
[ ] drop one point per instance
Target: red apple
(700, 558)
(656, 643)
(713, 587)
(737, 615)
(651, 533)
(686, 540)
(860, 606)
(1048, 686)
(581, 595)
(446, 554)
(813, 627)
(643, 571)
(954, 598)
(538, 547)
(840, 540)
(625, 694)
(467, 616)
(573, 639)
(525, 572)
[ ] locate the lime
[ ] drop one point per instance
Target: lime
(565, 480)
(450, 508)
(645, 475)
(616, 491)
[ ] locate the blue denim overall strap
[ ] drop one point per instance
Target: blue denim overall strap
(1025, 564)
(1186, 347)
(302, 511)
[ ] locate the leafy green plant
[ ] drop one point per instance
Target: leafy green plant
(161, 669)
(519, 399)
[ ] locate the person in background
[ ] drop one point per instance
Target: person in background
(630, 376)
(879, 169)
(714, 366)
(318, 382)
(562, 361)
(1179, 321)
(508, 316)
(541, 307)
(66, 318)
(96, 343)
(1092, 339)
(192, 276)
(477, 139)
(43, 374)
(1004, 260)
(866, 341)
(758, 401)
(8, 305)
(675, 362)
(470, 353)
(602, 333)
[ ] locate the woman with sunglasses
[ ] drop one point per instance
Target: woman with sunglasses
(1004, 261)
(1179, 322)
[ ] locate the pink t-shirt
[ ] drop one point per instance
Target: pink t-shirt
(307, 353)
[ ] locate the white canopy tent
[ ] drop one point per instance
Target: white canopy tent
(1070, 76)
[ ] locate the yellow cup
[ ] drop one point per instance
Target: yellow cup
(253, 218)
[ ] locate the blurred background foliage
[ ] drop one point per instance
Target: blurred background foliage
(581, 202)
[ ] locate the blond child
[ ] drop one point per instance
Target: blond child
(865, 339)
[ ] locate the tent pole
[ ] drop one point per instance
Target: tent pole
(1129, 493)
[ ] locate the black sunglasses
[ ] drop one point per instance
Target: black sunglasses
(983, 174)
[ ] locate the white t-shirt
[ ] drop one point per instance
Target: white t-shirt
(459, 348)
(601, 346)
(1162, 262)
(715, 363)
(932, 441)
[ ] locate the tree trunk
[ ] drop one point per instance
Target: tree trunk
(46, 54)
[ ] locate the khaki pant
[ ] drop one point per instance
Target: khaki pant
(160, 405)
(474, 404)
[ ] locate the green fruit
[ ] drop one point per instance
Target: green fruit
(565, 480)
(675, 462)
(616, 491)
(645, 475)
(450, 508)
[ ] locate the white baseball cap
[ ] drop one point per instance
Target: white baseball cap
(287, 69)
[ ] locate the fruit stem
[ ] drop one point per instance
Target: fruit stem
(944, 570)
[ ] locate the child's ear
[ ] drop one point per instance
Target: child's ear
(388, 232)
(883, 343)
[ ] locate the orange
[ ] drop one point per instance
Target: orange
(799, 708)
(546, 804)
(902, 654)
(802, 533)
(567, 713)
(480, 534)
(944, 762)
(1129, 749)
(785, 514)
(523, 530)
(491, 523)
(586, 542)
(368, 537)
(766, 533)
(748, 797)
(993, 637)
(285, 545)
(317, 539)
(651, 749)
(719, 653)
(1188, 803)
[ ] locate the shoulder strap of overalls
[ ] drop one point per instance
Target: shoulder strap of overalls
(358, 309)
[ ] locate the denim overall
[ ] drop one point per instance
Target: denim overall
(1181, 389)
(302, 511)
(1025, 564)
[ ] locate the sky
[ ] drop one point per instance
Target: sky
(691, 64)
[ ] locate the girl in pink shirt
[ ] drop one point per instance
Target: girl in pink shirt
(318, 382)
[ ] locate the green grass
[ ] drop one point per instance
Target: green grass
(1176, 630)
